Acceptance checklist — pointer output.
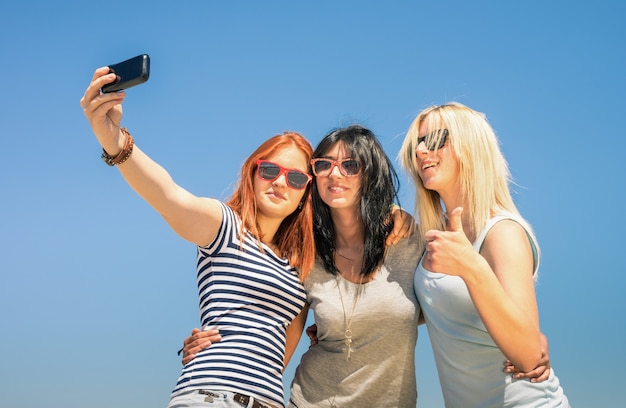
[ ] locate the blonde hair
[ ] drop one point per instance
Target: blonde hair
(483, 171)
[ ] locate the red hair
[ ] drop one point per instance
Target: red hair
(294, 238)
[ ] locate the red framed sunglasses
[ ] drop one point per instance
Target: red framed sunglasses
(270, 171)
(348, 167)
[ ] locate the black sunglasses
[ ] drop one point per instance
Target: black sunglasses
(347, 167)
(434, 140)
(270, 171)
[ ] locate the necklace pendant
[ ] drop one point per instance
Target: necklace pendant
(348, 349)
(348, 321)
(348, 342)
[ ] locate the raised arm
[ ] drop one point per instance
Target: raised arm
(194, 218)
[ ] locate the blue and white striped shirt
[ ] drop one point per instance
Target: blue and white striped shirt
(251, 297)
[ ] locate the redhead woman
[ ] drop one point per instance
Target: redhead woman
(253, 253)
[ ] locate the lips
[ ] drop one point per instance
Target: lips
(428, 165)
(336, 188)
(273, 193)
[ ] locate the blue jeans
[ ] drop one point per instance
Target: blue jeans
(206, 399)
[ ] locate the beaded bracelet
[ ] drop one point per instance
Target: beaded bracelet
(122, 156)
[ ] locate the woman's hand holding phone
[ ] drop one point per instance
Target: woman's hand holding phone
(102, 101)
(104, 111)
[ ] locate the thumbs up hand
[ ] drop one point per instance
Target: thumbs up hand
(449, 251)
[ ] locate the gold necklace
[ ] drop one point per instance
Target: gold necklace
(347, 323)
(343, 256)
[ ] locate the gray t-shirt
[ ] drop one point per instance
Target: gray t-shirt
(381, 370)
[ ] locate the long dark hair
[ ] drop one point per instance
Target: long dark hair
(379, 190)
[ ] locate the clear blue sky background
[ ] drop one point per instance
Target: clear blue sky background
(96, 292)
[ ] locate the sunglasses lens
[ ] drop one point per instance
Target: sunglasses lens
(268, 171)
(435, 140)
(297, 179)
(350, 167)
(322, 166)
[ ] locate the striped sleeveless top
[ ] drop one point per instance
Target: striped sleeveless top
(250, 297)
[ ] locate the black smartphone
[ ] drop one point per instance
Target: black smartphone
(129, 73)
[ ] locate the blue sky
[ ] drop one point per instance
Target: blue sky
(97, 293)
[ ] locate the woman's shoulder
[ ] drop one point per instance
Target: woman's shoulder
(318, 276)
(405, 252)
(405, 244)
(228, 224)
(500, 225)
(509, 230)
